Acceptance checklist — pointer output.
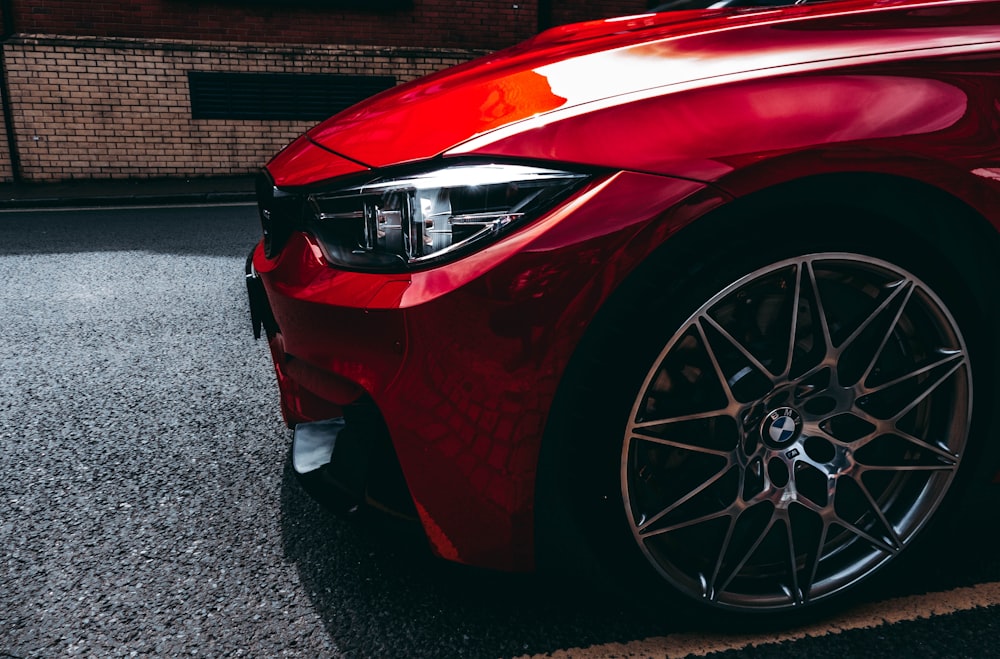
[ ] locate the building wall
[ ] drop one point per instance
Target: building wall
(481, 24)
(567, 12)
(100, 89)
(115, 108)
(6, 169)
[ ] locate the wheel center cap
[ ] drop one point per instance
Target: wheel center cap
(781, 427)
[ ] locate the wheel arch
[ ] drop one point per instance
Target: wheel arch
(939, 221)
(909, 202)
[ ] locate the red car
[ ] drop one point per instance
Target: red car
(707, 297)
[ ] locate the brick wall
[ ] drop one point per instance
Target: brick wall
(116, 108)
(6, 170)
(488, 24)
(566, 12)
(98, 88)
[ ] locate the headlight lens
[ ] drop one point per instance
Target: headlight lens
(405, 222)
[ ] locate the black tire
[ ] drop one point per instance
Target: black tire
(755, 474)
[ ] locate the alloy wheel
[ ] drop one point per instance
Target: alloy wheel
(796, 432)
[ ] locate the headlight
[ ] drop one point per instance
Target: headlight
(398, 223)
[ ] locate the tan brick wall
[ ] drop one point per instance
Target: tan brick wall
(120, 108)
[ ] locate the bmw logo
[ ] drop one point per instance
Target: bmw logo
(781, 426)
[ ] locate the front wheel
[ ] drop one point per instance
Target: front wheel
(796, 432)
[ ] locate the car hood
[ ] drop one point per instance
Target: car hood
(571, 70)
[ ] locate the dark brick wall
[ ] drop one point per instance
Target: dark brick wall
(568, 12)
(479, 24)
(485, 24)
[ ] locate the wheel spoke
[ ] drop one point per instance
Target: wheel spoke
(792, 562)
(697, 416)
(684, 499)
(820, 312)
(906, 468)
(937, 450)
(928, 390)
(682, 445)
(950, 356)
(733, 573)
(713, 592)
(897, 542)
(905, 290)
(901, 289)
(796, 297)
(723, 380)
(817, 556)
(875, 542)
(851, 526)
(710, 517)
(736, 344)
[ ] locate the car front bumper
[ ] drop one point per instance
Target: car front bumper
(460, 363)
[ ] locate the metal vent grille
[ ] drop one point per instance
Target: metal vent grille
(278, 96)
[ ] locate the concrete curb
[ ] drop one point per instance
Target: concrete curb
(99, 193)
(105, 201)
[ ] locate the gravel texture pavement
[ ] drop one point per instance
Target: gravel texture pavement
(147, 506)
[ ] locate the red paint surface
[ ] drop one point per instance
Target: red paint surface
(303, 162)
(464, 359)
(534, 92)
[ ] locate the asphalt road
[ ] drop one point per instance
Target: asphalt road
(147, 507)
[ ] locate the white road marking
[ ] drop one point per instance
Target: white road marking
(866, 616)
